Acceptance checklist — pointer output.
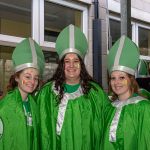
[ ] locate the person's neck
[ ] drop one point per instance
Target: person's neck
(124, 97)
(24, 95)
(72, 82)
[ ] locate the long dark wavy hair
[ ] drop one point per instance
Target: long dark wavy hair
(59, 78)
(134, 87)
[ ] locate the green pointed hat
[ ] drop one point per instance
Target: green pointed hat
(28, 54)
(123, 56)
(143, 68)
(71, 40)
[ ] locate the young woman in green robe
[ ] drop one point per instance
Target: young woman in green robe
(72, 104)
(128, 119)
(19, 117)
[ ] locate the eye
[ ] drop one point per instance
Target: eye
(27, 77)
(36, 79)
(66, 61)
(76, 61)
(112, 78)
(122, 78)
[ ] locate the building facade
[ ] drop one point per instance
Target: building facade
(44, 19)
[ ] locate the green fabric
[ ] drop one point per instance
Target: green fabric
(145, 93)
(71, 88)
(83, 122)
(30, 130)
(26, 104)
(133, 130)
(121, 58)
(16, 134)
(71, 39)
(28, 54)
(143, 69)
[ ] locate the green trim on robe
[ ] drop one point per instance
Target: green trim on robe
(133, 129)
(15, 131)
(83, 122)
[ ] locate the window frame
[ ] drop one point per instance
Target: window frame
(37, 24)
(47, 45)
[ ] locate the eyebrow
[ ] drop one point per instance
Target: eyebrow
(29, 74)
(71, 58)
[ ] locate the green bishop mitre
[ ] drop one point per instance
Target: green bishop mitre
(123, 56)
(71, 40)
(28, 54)
(143, 69)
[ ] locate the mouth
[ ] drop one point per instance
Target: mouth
(118, 87)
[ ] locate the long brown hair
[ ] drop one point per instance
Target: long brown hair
(134, 87)
(12, 82)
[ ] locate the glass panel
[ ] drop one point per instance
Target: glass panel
(144, 41)
(56, 17)
(115, 30)
(144, 79)
(6, 68)
(15, 17)
(51, 59)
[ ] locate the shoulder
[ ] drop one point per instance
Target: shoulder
(46, 87)
(98, 91)
(96, 87)
(9, 95)
(7, 100)
(138, 102)
(44, 90)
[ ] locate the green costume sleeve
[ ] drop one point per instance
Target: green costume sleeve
(76, 123)
(13, 128)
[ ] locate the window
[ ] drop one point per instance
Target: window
(6, 66)
(144, 41)
(57, 17)
(15, 17)
(115, 30)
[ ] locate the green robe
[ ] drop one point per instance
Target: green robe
(76, 123)
(14, 132)
(127, 125)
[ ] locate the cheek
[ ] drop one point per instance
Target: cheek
(77, 65)
(23, 82)
(125, 82)
(66, 66)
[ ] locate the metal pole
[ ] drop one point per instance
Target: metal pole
(97, 56)
(126, 17)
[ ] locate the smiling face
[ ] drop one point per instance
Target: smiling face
(72, 68)
(27, 81)
(120, 84)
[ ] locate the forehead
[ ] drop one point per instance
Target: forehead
(119, 73)
(71, 56)
(31, 71)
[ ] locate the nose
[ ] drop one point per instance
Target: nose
(71, 64)
(33, 81)
(116, 81)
